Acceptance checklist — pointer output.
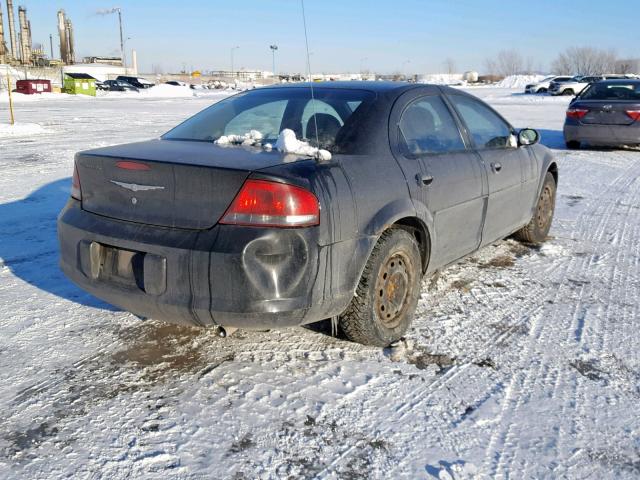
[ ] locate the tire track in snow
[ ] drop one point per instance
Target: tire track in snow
(614, 315)
(503, 448)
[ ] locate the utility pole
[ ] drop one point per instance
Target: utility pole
(273, 48)
(51, 44)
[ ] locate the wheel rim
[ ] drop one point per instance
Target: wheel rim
(544, 212)
(393, 286)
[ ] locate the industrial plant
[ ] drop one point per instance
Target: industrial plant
(20, 50)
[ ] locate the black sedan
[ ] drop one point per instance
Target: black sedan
(287, 205)
(119, 86)
(606, 113)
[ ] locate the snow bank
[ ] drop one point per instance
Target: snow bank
(442, 79)
(20, 130)
(166, 91)
(22, 98)
(519, 81)
(288, 143)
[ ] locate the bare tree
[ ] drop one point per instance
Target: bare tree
(628, 65)
(507, 62)
(450, 65)
(585, 61)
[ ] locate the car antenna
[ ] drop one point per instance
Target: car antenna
(313, 101)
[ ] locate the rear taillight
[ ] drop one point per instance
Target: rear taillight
(634, 114)
(271, 204)
(75, 184)
(577, 113)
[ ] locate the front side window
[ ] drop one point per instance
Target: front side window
(271, 110)
(427, 126)
(486, 127)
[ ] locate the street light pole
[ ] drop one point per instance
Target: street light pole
(232, 50)
(273, 58)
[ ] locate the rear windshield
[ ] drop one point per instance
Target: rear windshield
(612, 91)
(271, 110)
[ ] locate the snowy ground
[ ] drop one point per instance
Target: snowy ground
(521, 363)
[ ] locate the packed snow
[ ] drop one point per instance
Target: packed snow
(519, 81)
(20, 130)
(522, 362)
(288, 143)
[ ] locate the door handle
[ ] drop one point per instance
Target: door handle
(496, 167)
(424, 180)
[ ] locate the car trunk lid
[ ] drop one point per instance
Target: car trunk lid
(166, 183)
(606, 112)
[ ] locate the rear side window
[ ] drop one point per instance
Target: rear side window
(486, 128)
(324, 120)
(427, 126)
(265, 118)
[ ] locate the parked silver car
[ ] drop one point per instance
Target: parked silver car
(607, 113)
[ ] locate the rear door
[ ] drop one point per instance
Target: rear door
(504, 163)
(445, 176)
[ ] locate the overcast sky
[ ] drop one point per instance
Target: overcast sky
(345, 35)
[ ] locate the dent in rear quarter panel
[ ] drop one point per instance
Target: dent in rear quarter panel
(336, 251)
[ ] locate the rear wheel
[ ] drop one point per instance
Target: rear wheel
(387, 295)
(537, 229)
(573, 145)
(568, 91)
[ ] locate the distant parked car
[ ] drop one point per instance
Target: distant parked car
(191, 229)
(606, 113)
(101, 85)
(119, 86)
(137, 82)
(176, 83)
(575, 85)
(543, 85)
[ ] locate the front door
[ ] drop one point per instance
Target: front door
(495, 142)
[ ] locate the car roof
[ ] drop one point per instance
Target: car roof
(623, 81)
(384, 86)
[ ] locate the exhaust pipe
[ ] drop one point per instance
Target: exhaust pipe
(224, 332)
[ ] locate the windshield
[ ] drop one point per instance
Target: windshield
(269, 111)
(612, 91)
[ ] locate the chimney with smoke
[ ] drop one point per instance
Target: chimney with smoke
(25, 47)
(12, 30)
(70, 48)
(62, 30)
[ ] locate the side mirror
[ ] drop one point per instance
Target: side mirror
(528, 136)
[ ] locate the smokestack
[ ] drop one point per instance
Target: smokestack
(12, 30)
(25, 50)
(3, 46)
(70, 49)
(134, 62)
(62, 31)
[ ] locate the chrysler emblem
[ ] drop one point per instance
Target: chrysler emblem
(134, 187)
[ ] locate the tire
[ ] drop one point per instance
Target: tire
(568, 91)
(386, 297)
(573, 145)
(542, 90)
(537, 229)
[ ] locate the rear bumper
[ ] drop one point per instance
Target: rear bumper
(602, 135)
(232, 276)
